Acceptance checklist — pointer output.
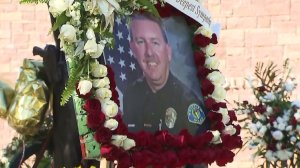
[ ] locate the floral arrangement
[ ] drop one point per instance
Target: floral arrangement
(85, 29)
(274, 120)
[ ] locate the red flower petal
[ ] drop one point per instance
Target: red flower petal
(95, 120)
(214, 39)
(202, 72)
(199, 57)
(103, 135)
(232, 115)
(92, 106)
(207, 87)
(201, 40)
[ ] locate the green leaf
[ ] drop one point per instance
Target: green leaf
(150, 7)
(60, 20)
(34, 1)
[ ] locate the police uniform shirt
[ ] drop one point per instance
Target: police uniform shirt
(172, 108)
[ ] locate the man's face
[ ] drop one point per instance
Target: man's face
(151, 51)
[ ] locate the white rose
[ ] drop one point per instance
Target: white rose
(269, 110)
(98, 70)
(270, 155)
(204, 31)
(277, 135)
(216, 139)
(122, 141)
(269, 97)
(298, 128)
(297, 116)
(84, 87)
(101, 83)
(279, 146)
(56, 7)
(252, 127)
(108, 6)
(225, 116)
(67, 33)
(90, 46)
(211, 63)
(293, 139)
(289, 86)
(219, 94)
(281, 126)
(103, 93)
(230, 130)
(298, 144)
(216, 78)
(111, 124)
(262, 131)
(128, 144)
(109, 108)
(90, 34)
(289, 128)
(284, 154)
(210, 50)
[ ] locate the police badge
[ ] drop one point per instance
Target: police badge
(195, 114)
(170, 117)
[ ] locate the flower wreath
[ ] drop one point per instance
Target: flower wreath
(85, 28)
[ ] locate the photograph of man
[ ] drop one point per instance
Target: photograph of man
(158, 100)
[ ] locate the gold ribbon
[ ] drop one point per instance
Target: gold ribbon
(6, 96)
(30, 102)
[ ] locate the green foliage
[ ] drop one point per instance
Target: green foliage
(76, 68)
(149, 7)
(60, 20)
(34, 1)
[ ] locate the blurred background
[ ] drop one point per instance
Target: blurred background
(251, 31)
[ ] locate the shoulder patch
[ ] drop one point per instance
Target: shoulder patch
(195, 114)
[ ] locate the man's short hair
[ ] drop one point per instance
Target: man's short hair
(147, 16)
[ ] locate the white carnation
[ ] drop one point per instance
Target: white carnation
(289, 86)
(90, 34)
(252, 127)
(293, 139)
(84, 87)
(111, 124)
(128, 144)
(269, 97)
(210, 50)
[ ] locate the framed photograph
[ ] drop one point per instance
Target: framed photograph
(149, 80)
(156, 75)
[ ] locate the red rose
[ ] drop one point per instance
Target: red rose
(141, 159)
(170, 158)
(214, 117)
(293, 121)
(167, 10)
(86, 96)
(217, 126)
(224, 156)
(231, 142)
(199, 57)
(142, 138)
(103, 135)
(210, 102)
(115, 97)
(95, 120)
(124, 160)
(111, 76)
(199, 141)
(202, 72)
(92, 106)
(238, 129)
(201, 40)
(214, 39)
(207, 87)
(111, 152)
(260, 108)
(232, 115)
